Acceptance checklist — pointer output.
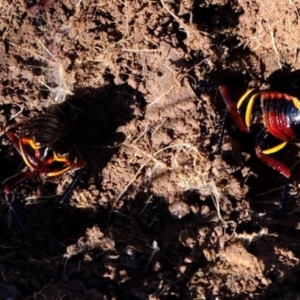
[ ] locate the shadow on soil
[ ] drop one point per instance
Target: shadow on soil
(148, 250)
(94, 115)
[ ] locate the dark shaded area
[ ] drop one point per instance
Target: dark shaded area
(285, 80)
(215, 17)
(92, 124)
(93, 117)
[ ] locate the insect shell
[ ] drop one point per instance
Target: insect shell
(277, 117)
(47, 148)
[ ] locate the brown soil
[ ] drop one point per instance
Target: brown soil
(158, 213)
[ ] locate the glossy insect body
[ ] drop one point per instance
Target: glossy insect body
(47, 148)
(281, 116)
(276, 117)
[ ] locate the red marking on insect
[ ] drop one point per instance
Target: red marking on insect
(47, 148)
(276, 114)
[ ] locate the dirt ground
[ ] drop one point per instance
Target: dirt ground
(158, 213)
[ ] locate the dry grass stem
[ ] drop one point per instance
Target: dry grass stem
(18, 113)
(55, 74)
(185, 27)
(216, 197)
(142, 50)
(151, 158)
(275, 47)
